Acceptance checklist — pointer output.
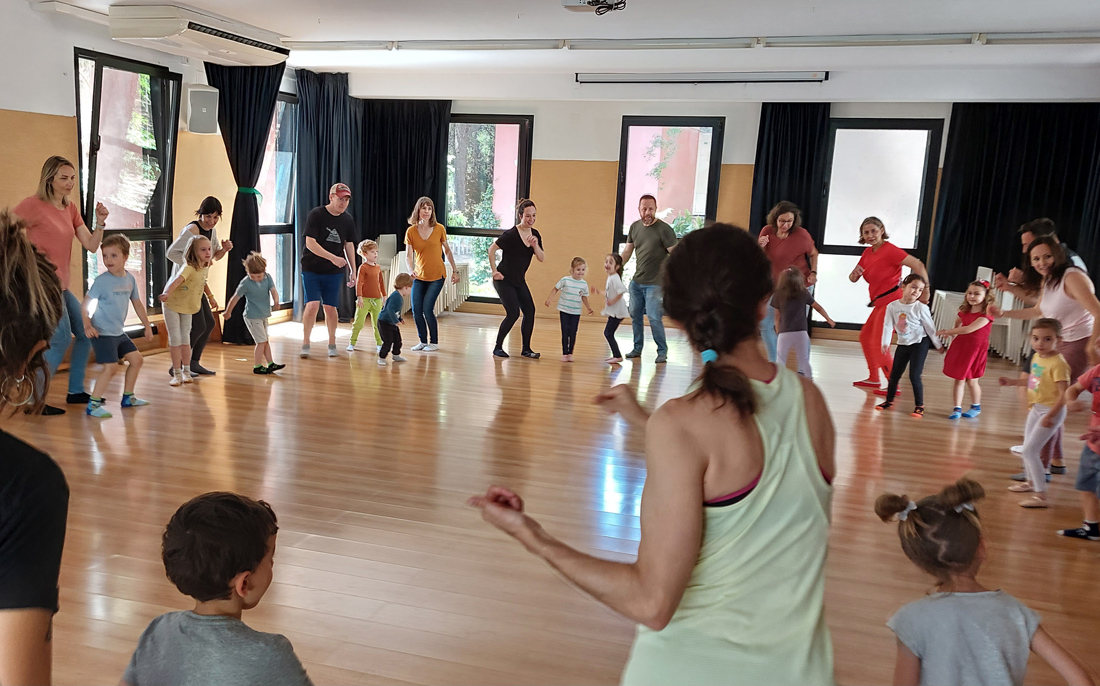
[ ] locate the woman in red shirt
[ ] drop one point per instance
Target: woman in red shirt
(880, 266)
(787, 245)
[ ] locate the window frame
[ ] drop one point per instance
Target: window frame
(714, 176)
(526, 124)
(934, 127)
(289, 227)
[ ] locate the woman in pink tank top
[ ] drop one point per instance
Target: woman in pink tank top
(1066, 294)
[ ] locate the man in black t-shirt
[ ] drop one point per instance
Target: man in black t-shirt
(328, 254)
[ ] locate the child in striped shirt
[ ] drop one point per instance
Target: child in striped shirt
(573, 290)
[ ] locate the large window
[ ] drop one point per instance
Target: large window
(488, 171)
(876, 167)
(128, 118)
(277, 187)
(678, 161)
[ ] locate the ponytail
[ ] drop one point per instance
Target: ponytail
(728, 383)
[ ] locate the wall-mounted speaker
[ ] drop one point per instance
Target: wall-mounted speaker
(201, 108)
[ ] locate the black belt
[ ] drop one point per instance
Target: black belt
(882, 295)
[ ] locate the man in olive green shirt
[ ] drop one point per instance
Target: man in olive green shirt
(653, 240)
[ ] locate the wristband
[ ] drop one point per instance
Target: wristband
(813, 271)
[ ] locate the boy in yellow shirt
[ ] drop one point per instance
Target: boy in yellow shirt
(1046, 388)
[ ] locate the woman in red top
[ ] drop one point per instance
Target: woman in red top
(787, 245)
(880, 266)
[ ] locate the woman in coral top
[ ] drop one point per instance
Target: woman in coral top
(53, 220)
(427, 241)
(880, 266)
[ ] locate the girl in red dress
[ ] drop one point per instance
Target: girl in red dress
(880, 266)
(965, 361)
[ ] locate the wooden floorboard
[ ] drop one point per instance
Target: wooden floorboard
(382, 575)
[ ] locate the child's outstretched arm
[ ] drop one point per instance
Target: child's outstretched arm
(274, 296)
(88, 328)
(820, 310)
(906, 667)
(230, 305)
(615, 298)
(1060, 659)
(930, 326)
(1072, 393)
(553, 291)
(139, 308)
(973, 326)
(171, 287)
(584, 299)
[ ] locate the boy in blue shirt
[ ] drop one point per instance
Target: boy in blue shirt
(258, 291)
(390, 317)
(112, 292)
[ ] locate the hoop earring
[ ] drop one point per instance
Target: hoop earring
(10, 385)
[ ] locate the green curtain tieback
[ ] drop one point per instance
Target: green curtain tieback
(252, 191)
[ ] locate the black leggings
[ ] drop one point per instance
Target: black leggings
(516, 299)
(609, 334)
(912, 356)
(569, 325)
(202, 325)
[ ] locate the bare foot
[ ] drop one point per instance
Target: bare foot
(565, 358)
(614, 360)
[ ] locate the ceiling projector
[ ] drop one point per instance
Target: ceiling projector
(598, 6)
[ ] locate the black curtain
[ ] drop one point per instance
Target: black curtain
(1009, 163)
(389, 152)
(246, 104)
(791, 152)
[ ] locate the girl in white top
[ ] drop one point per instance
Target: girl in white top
(963, 633)
(615, 308)
(916, 332)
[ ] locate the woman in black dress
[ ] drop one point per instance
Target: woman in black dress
(517, 246)
(34, 497)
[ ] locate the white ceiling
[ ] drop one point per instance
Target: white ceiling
(335, 20)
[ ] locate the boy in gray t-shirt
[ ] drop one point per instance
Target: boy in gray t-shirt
(218, 548)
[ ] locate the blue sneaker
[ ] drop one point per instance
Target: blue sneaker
(96, 409)
(956, 413)
(129, 400)
(973, 412)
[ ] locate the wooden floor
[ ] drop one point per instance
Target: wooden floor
(383, 576)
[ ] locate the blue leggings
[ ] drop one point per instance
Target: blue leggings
(70, 330)
(424, 295)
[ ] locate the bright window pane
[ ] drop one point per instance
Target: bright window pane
(472, 250)
(134, 148)
(137, 264)
(276, 184)
(846, 302)
(482, 173)
(671, 163)
(877, 172)
(85, 80)
(278, 250)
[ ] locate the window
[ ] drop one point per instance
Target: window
(277, 186)
(488, 171)
(678, 161)
(876, 167)
(128, 118)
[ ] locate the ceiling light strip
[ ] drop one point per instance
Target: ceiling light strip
(707, 77)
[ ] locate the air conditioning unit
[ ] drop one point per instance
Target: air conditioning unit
(185, 32)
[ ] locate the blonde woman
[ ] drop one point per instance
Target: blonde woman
(427, 239)
(52, 221)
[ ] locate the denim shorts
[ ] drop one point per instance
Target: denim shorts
(1088, 472)
(111, 349)
(323, 287)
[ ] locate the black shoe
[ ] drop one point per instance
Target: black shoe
(1083, 532)
(78, 398)
(50, 411)
(1057, 469)
(633, 353)
(272, 368)
(197, 368)
(261, 370)
(500, 353)
(531, 355)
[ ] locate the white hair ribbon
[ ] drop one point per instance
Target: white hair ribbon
(904, 514)
(964, 506)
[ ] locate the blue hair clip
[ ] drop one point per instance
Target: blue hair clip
(709, 356)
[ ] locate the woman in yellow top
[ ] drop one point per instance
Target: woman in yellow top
(730, 577)
(428, 240)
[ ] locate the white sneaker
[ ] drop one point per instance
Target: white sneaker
(332, 351)
(1017, 450)
(431, 348)
(381, 362)
(177, 380)
(350, 348)
(187, 378)
(418, 346)
(305, 351)
(398, 358)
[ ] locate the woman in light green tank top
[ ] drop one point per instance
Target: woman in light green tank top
(728, 587)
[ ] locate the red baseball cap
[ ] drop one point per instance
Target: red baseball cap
(340, 190)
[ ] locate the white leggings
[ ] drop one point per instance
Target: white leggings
(1035, 437)
(799, 341)
(178, 325)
